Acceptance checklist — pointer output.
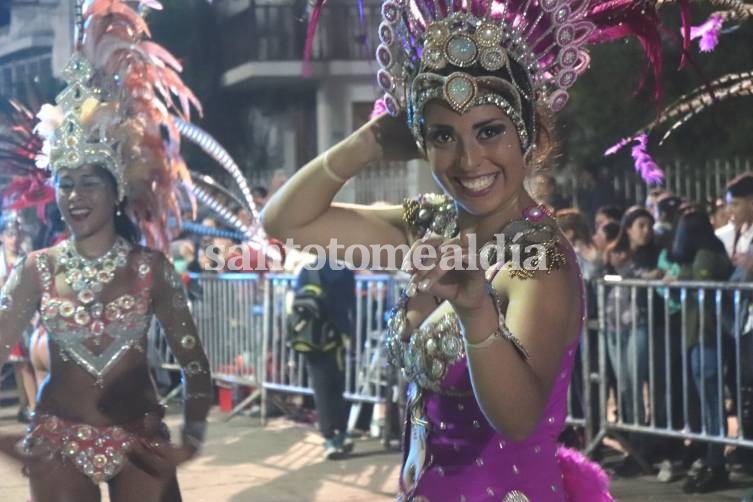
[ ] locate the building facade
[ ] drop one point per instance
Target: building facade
(293, 117)
(36, 39)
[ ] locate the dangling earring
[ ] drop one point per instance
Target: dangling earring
(118, 212)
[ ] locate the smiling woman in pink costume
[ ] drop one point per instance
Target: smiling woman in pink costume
(488, 353)
(112, 150)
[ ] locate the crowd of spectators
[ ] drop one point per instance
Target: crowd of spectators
(650, 354)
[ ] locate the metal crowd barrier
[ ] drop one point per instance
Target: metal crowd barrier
(229, 311)
(669, 382)
(242, 321)
(365, 364)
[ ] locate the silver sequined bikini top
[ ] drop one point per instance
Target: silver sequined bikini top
(96, 335)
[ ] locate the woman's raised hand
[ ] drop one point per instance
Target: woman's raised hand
(393, 138)
(447, 268)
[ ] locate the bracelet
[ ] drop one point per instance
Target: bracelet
(495, 335)
(328, 170)
(500, 332)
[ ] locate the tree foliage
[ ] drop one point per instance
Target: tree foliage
(606, 103)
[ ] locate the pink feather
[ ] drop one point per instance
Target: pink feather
(584, 480)
(708, 32)
(148, 91)
(160, 54)
(308, 49)
(644, 163)
(379, 109)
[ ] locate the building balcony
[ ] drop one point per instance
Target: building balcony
(264, 43)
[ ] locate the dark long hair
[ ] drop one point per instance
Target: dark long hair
(645, 256)
(694, 233)
(125, 226)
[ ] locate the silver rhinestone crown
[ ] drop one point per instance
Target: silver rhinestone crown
(439, 41)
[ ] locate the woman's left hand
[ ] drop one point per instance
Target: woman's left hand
(159, 458)
(446, 268)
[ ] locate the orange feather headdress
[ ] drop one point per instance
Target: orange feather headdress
(117, 112)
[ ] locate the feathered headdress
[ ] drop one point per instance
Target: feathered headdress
(689, 105)
(515, 54)
(116, 112)
(19, 144)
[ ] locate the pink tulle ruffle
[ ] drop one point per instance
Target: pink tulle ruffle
(585, 481)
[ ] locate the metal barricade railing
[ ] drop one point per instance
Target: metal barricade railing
(229, 312)
(286, 369)
(679, 350)
(242, 319)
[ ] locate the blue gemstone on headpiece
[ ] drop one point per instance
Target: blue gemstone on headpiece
(459, 91)
(461, 50)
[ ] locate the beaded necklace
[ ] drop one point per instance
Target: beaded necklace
(87, 277)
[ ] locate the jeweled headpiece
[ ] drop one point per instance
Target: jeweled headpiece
(516, 54)
(71, 136)
(117, 112)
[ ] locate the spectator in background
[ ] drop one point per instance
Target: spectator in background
(606, 214)
(701, 257)
(666, 214)
(259, 194)
(652, 198)
(544, 191)
(15, 242)
(738, 233)
(605, 235)
(183, 252)
(590, 260)
(595, 190)
(256, 257)
(244, 216)
(206, 240)
(737, 237)
(632, 255)
(718, 214)
(326, 367)
(667, 211)
(575, 227)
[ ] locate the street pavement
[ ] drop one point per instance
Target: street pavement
(243, 461)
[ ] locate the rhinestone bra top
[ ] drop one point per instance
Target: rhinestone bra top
(96, 335)
(431, 350)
